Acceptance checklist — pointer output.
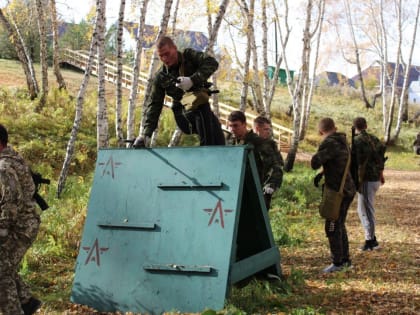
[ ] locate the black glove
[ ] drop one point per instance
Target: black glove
(141, 142)
(317, 179)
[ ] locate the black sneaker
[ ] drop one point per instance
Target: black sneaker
(367, 246)
(32, 306)
(374, 244)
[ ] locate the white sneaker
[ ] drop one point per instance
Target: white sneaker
(332, 268)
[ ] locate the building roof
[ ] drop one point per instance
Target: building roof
(183, 38)
(374, 70)
(335, 78)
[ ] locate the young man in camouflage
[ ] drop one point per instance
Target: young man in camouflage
(332, 155)
(188, 89)
(19, 224)
(266, 157)
(262, 127)
(370, 172)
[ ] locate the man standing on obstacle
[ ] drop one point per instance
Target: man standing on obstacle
(183, 76)
(266, 157)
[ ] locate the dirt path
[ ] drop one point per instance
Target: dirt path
(385, 281)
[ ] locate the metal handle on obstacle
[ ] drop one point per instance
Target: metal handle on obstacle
(127, 226)
(177, 268)
(184, 185)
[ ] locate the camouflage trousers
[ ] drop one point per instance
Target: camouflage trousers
(13, 291)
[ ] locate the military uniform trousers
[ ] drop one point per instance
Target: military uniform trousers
(201, 121)
(13, 291)
(337, 234)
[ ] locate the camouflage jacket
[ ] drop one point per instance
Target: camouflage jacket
(332, 155)
(267, 159)
(16, 191)
(369, 168)
(194, 64)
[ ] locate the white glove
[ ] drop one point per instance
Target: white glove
(184, 83)
(141, 142)
(268, 190)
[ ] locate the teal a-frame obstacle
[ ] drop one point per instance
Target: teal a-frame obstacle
(171, 229)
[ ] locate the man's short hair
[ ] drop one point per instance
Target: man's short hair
(326, 124)
(360, 123)
(165, 41)
(237, 115)
(4, 136)
(261, 120)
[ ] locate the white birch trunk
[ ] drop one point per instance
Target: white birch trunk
(174, 17)
(43, 54)
(384, 63)
(177, 134)
(318, 31)
(79, 110)
(21, 53)
(388, 127)
(213, 29)
(136, 71)
(101, 115)
(283, 44)
(299, 93)
(118, 100)
(246, 65)
(56, 48)
(154, 62)
(266, 80)
(248, 13)
(356, 52)
(403, 104)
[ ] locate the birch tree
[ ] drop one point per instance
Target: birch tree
(383, 53)
(317, 30)
(266, 80)
(302, 93)
(357, 61)
(402, 103)
(155, 59)
(136, 71)
(390, 118)
(118, 98)
(380, 27)
(235, 29)
(284, 33)
(79, 107)
(248, 13)
(42, 54)
(22, 54)
(213, 30)
(175, 17)
(56, 48)
(101, 115)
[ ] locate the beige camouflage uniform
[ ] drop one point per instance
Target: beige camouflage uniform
(19, 224)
